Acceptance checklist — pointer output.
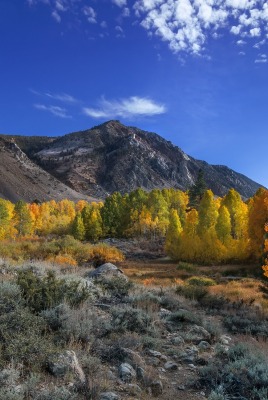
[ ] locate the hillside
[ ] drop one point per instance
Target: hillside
(20, 178)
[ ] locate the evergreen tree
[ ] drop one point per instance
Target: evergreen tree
(197, 191)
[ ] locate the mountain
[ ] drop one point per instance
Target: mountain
(20, 178)
(113, 157)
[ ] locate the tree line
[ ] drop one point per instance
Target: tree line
(197, 227)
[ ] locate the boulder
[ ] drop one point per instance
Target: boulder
(106, 271)
(127, 372)
(171, 366)
(198, 333)
(59, 365)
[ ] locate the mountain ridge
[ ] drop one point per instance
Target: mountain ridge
(114, 157)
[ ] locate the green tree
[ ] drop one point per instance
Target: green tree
(78, 228)
(197, 190)
(23, 219)
(92, 222)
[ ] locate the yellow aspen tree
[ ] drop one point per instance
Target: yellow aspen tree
(207, 214)
(223, 225)
(173, 234)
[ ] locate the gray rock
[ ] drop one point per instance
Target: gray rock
(108, 396)
(140, 373)
(171, 366)
(133, 389)
(106, 271)
(133, 358)
(63, 363)
(198, 333)
(154, 353)
(126, 372)
(177, 339)
(203, 345)
(157, 388)
(224, 339)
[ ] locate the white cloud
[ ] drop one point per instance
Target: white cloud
(56, 16)
(55, 110)
(63, 97)
(120, 3)
(90, 13)
(262, 59)
(126, 12)
(103, 24)
(127, 108)
(186, 24)
(255, 32)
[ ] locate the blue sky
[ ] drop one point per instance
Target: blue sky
(193, 71)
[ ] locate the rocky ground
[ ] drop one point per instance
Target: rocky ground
(124, 341)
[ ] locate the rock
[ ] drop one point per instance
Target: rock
(163, 313)
(171, 366)
(224, 339)
(108, 396)
(63, 363)
(133, 358)
(177, 339)
(198, 333)
(154, 353)
(126, 372)
(157, 388)
(133, 389)
(181, 387)
(203, 345)
(163, 358)
(140, 373)
(106, 271)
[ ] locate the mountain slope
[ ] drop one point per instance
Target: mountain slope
(20, 178)
(112, 157)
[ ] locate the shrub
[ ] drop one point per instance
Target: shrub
(103, 253)
(117, 286)
(184, 316)
(185, 266)
(27, 345)
(247, 323)
(200, 281)
(192, 292)
(239, 374)
(10, 297)
(130, 319)
(41, 293)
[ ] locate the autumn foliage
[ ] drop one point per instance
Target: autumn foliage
(208, 230)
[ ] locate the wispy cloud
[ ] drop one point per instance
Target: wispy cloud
(63, 97)
(55, 110)
(262, 59)
(120, 3)
(131, 107)
(90, 14)
(186, 25)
